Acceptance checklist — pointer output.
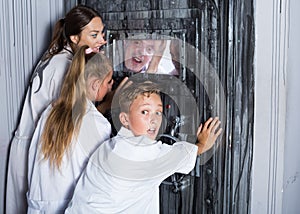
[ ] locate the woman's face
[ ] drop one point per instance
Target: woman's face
(138, 54)
(92, 35)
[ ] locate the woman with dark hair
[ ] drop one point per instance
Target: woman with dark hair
(81, 26)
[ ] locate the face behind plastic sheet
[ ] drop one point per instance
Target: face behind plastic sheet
(138, 54)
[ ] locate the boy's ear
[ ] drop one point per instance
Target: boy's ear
(124, 119)
(75, 39)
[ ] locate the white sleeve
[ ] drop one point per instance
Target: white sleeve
(46, 88)
(58, 78)
(187, 154)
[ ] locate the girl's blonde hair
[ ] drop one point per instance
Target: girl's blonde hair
(64, 120)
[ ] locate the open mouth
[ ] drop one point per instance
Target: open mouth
(137, 59)
(151, 131)
(96, 49)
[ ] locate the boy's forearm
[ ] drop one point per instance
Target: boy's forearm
(201, 148)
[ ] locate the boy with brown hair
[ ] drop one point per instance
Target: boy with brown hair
(124, 174)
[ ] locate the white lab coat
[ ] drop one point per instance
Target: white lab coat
(44, 88)
(124, 174)
(51, 189)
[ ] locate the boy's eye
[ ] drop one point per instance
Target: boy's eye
(110, 81)
(144, 112)
(159, 113)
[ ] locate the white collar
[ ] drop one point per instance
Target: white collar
(132, 139)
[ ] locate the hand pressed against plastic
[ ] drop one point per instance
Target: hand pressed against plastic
(207, 134)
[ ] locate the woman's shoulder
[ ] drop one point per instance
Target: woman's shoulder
(59, 64)
(65, 56)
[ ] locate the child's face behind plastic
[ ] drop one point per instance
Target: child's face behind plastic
(145, 115)
(138, 53)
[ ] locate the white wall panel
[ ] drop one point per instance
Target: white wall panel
(270, 106)
(25, 33)
(291, 185)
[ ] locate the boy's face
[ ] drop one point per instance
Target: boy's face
(145, 116)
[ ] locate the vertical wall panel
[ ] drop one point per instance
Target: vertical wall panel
(25, 33)
(270, 105)
(291, 185)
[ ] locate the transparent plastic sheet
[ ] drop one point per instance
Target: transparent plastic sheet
(223, 33)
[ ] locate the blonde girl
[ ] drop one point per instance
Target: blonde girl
(68, 133)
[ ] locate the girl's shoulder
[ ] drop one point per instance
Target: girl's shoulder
(97, 118)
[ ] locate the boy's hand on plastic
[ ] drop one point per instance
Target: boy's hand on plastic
(123, 82)
(207, 134)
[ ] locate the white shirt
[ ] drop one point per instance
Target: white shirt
(45, 87)
(124, 174)
(51, 189)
